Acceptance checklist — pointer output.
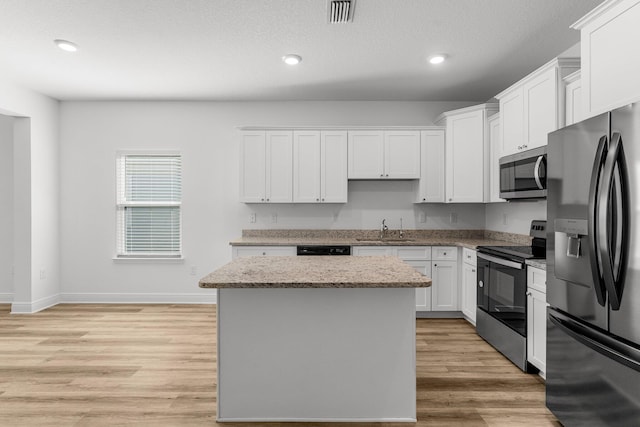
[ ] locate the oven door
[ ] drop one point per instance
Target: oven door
(504, 291)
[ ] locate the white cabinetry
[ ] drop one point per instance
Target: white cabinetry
(419, 257)
(534, 106)
(266, 167)
(244, 251)
(467, 153)
(319, 166)
(537, 318)
(494, 162)
(468, 300)
(573, 98)
(431, 183)
(609, 35)
(444, 271)
(392, 154)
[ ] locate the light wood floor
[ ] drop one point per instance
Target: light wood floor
(154, 365)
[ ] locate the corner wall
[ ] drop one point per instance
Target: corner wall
(6, 209)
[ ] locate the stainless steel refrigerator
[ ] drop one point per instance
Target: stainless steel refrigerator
(593, 271)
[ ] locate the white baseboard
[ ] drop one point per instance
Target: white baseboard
(6, 298)
(34, 306)
(139, 298)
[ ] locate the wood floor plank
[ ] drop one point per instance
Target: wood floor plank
(155, 365)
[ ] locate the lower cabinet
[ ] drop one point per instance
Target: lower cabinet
(444, 289)
(244, 251)
(537, 318)
(468, 300)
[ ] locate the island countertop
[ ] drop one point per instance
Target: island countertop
(316, 272)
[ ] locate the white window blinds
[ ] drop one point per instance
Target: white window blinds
(148, 205)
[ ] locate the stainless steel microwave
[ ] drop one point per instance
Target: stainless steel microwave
(524, 175)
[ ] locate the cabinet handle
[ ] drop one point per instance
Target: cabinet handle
(323, 200)
(435, 265)
(528, 294)
(525, 146)
(262, 200)
(444, 253)
(473, 270)
(264, 253)
(424, 199)
(450, 199)
(381, 174)
(317, 200)
(387, 175)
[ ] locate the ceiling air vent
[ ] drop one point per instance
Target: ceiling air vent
(340, 11)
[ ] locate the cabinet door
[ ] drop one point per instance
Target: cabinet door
(366, 154)
(573, 103)
(252, 167)
(494, 163)
(333, 165)
(431, 184)
(306, 166)
(465, 153)
(423, 295)
(444, 289)
(279, 168)
(537, 329)
(402, 154)
(541, 108)
(512, 122)
(468, 290)
(245, 251)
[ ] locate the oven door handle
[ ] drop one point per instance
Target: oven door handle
(504, 262)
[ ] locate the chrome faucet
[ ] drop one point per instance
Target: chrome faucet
(383, 229)
(401, 233)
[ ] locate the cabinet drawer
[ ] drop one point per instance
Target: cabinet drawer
(444, 253)
(372, 251)
(245, 251)
(414, 252)
(469, 257)
(537, 279)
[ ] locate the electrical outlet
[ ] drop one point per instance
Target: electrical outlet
(193, 270)
(43, 274)
(453, 218)
(505, 219)
(252, 217)
(274, 217)
(422, 217)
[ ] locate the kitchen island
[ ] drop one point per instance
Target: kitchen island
(316, 339)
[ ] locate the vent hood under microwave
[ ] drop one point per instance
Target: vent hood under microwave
(524, 175)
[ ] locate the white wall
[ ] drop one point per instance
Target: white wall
(36, 196)
(6, 208)
(519, 215)
(206, 134)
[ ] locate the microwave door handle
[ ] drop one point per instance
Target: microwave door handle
(613, 248)
(592, 235)
(536, 172)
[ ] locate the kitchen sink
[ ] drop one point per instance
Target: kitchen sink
(384, 240)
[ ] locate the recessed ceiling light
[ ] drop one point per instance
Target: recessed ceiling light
(66, 45)
(292, 59)
(438, 58)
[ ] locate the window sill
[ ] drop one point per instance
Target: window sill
(148, 260)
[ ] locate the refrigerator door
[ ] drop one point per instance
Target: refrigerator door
(575, 160)
(592, 380)
(625, 322)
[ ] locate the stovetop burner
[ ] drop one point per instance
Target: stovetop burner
(537, 250)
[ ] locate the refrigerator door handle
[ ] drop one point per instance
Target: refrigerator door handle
(613, 221)
(602, 343)
(592, 235)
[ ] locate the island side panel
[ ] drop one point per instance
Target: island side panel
(338, 354)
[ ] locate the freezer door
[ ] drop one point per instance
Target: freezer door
(574, 154)
(590, 382)
(625, 322)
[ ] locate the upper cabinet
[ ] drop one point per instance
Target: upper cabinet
(534, 106)
(391, 154)
(467, 153)
(495, 150)
(573, 98)
(265, 167)
(319, 166)
(609, 35)
(430, 187)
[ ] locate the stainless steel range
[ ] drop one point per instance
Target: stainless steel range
(501, 316)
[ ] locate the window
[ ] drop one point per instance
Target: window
(148, 205)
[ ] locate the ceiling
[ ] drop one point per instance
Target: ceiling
(231, 50)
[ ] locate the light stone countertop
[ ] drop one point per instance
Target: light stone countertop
(315, 272)
(537, 263)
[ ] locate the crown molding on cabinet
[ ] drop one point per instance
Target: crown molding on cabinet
(555, 62)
